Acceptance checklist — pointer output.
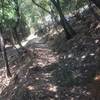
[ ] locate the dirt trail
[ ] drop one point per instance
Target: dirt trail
(38, 69)
(33, 74)
(36, 78)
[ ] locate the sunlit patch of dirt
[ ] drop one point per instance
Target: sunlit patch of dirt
(31, 74)
(45, 57)
(4, 81)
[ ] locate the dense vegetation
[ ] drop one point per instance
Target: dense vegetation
(65, 30)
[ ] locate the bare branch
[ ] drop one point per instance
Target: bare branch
(41, 7)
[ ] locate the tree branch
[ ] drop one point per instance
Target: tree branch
(54, 2)
(41, 7)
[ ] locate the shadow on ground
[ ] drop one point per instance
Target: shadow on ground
(57, 71)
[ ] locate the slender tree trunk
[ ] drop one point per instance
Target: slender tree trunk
(17, 22)
(54, 18)
(64, 24)
(3, 49)
(69, 32)
(41, 7)
(12, 41)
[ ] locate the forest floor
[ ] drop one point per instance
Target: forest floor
(53, 68)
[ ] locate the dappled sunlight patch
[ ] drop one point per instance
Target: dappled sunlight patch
(55, 32)
(46, 75)
(61, 30)
(64, 57)
(15, 87)
(97, 77)
(52, 88)
(30, 37)
(30, 67)
(41, 63)
(56, 96)
(30, 87)
(51, 31)
(83, 57)
(65, 65)
(97, 41)
(92, 54)
(1, 70)
(37, 78)
(13, 66)
(45, 57)
(70, 55)
(4, 81)
(98, 26)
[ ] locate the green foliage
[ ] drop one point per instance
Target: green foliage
(80, 3)
(8, 18)
(31, 14)
(70, 5)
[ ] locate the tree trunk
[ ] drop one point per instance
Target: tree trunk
(41, 7)
(3, 49)
(92, 10)
(12, 41)
(64, 24)
(17, 23)
(69, 32)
